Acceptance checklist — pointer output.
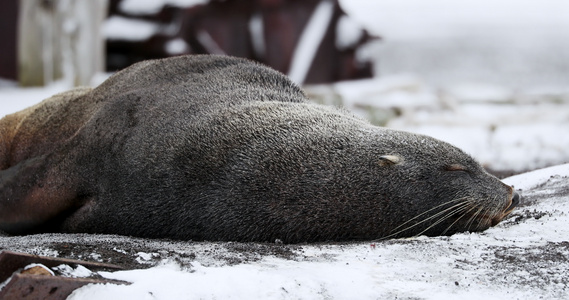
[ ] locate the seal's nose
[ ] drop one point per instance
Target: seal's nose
(515, 201)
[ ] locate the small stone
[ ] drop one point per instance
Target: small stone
(37, 270)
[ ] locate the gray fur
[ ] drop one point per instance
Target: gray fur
(219, 148)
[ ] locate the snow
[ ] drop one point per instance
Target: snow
(121, 28)
(348, 32)
(479, 92)
(418, 19)
(68, 271)
(177, 46)
(147, 7)
(517, 44)
(13, 98)
(532, 179)
(145, 257)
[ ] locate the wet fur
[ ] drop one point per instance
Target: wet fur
(218, 148)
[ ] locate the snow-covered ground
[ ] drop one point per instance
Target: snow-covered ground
(524, 257)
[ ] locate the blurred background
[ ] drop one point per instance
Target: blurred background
(491, 77)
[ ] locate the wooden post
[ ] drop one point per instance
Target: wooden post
(60, 39)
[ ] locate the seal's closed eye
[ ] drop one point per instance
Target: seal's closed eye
(456, 167)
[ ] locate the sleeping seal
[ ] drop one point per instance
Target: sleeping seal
(225, 149)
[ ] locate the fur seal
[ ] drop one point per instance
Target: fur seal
(224, 149)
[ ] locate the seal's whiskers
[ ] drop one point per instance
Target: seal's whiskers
(459, 210)
(458, 219)
(490, 211)
(482, 211)
(446, 213)
(426, 212)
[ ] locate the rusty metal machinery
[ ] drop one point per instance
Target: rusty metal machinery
(40, 283)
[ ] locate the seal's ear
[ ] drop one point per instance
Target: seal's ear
(387, 160)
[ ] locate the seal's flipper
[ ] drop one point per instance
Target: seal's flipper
(32, 196)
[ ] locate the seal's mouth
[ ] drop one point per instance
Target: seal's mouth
(514, 202)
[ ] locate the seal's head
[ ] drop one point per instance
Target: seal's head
(441, 189)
